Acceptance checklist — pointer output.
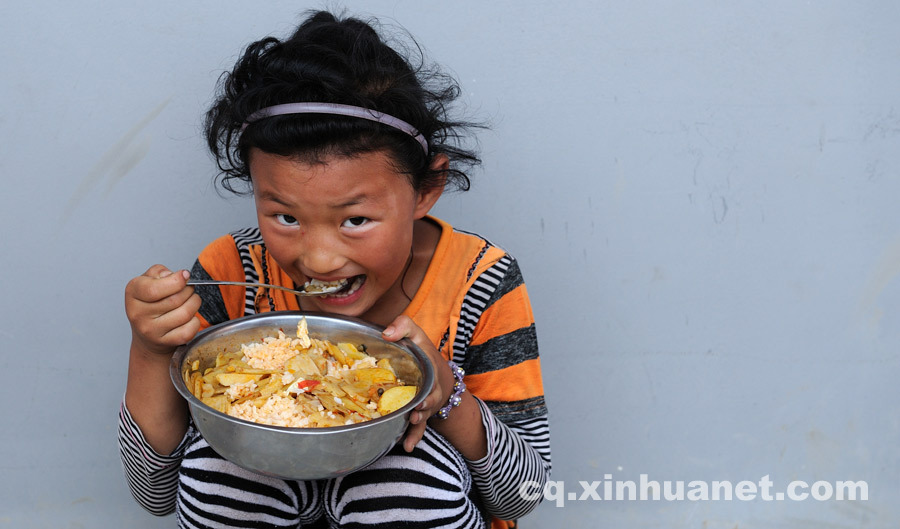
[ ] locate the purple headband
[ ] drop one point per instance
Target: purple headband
(340, 110)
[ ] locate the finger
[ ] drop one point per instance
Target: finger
(400, 328)
(173, 301)
(183, 334)
(156, 271)
(137, 309)
(405, 327)
(180, 315)
(172, 339)
(156, 284)
(156, 327)
(413, 435)
(430, 405)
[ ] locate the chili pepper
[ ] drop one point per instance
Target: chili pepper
(308, 384)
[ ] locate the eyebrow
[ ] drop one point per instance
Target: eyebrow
(267, 196)
(352, 201)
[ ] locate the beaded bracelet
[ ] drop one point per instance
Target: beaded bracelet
(459, 387)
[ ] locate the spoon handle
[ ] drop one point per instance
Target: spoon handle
(243, 284)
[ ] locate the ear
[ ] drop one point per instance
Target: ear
(429, 196)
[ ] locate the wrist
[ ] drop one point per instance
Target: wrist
(459, 387)
(147, 353)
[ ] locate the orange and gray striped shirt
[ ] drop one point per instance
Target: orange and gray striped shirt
(474, 306)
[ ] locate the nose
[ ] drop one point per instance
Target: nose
(320, 255)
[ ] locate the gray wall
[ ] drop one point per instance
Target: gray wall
(702, 195)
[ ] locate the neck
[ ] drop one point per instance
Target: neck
(425, 240)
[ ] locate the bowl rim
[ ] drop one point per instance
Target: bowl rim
(177, 361)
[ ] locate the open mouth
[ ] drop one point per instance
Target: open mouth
(351, 285)
(335, 289)
(315, 286)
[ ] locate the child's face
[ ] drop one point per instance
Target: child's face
(346, 218)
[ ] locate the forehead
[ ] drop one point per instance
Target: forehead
(335, 177)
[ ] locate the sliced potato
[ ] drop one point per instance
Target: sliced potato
(217, 402)
(385, 363)
(351, 352)
(318, 358)
(338, 354)
(395, 398)
(230, 379)
(331, 385)
(350, 404)
(270, 385)
(329, 402)
(196, 383)
(374, 375)
(302, 365)
(303, 333)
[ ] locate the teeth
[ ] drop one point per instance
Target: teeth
(357, 282)
(316, 285)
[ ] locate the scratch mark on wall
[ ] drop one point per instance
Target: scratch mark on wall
(887, 126)
(698, 159)
(874, 170)
(720, 208)
(116, 162)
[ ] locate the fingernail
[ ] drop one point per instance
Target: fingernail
(388, 332)
(167, 273)
(185, 274)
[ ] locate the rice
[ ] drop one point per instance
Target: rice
(271, 353)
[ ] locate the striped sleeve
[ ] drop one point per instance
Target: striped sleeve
(152, 478)
(497, 345)
(518, 454)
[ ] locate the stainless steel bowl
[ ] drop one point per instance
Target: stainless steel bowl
(301, 453)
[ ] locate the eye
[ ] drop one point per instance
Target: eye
(286, 220)
(355, 222)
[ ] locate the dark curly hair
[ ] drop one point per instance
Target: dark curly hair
(343, 61)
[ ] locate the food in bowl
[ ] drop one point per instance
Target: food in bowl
(300, 453)
(299, 382)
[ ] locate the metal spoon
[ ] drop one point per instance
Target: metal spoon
(303, 292)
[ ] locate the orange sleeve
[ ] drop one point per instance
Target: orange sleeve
(517, 382)
(505, 362)
(515, 308)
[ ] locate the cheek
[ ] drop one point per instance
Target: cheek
(278, 246)
(386, 255)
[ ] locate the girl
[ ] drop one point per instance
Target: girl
(346, 147)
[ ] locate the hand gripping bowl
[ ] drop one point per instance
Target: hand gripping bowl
(301, 453)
